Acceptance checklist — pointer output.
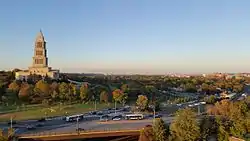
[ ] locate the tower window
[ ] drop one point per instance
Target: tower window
(38, 61)
(39, 53)
(39, 44)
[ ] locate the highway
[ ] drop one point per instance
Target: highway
(57, 125)
(96, 125)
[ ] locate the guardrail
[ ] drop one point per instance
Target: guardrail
(79, 132)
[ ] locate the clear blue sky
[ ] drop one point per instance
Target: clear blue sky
(137, 36)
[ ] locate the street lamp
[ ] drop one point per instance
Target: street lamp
(95, 104)
(11, 122)
(115, 106)
(77, 125)
(154, 114)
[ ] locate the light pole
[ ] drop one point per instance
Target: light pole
(115, 107)
(11, 122)
(77, 125)
(154, 114)
(95, 104)
(198, 109)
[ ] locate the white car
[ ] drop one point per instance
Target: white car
(179, 104)
(116, 119)
(203, 102)
(104, 119)
(196, 104)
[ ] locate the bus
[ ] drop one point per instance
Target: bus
(134, 116)
(74, 118)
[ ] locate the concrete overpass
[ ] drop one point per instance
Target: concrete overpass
(122, 135)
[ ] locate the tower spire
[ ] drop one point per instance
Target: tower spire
(40, 36)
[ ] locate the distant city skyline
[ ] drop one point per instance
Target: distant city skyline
(128, 37)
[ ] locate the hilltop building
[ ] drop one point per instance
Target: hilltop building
(40, 62)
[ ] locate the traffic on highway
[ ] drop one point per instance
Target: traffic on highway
(112, 118)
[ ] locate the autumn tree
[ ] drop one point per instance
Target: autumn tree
(64, 91)
(119, 96)
(54, 91)
(84, 93)
(104, 97)
(146, 134)
(185, 127)
(142, 102)
(25, 91)
(160, 130)
(73, 92)
(42, 88)
(14, 87)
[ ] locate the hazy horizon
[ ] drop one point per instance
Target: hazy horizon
(123, 37)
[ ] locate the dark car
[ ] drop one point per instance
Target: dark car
(39, 125)
(158, 116)
(29, 127)
(80, 129)
(13, 122)
(41, 120)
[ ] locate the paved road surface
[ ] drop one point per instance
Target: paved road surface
(94, 125)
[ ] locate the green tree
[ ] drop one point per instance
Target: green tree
(160, 130)
(142, 102)
(124, 88)
(64, 91)
(222, 133)
(210, 99)
(207, 127)
(185, 127)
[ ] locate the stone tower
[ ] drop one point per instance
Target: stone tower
(39, 62)
(40, 58)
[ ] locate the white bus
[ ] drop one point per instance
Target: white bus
(134, 116)
(74, 118)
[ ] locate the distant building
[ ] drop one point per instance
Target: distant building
(40, 62)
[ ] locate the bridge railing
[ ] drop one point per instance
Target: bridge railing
(77, 132)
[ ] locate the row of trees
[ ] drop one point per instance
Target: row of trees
(224, 119)
(43, 91)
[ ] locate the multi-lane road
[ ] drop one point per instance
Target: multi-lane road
(56, 125)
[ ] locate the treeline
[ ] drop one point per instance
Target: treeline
(224, 120)
(204, 85)
(44, 92)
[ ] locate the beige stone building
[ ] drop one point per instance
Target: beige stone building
(40, 62)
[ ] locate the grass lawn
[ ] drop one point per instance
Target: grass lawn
(37, 112)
